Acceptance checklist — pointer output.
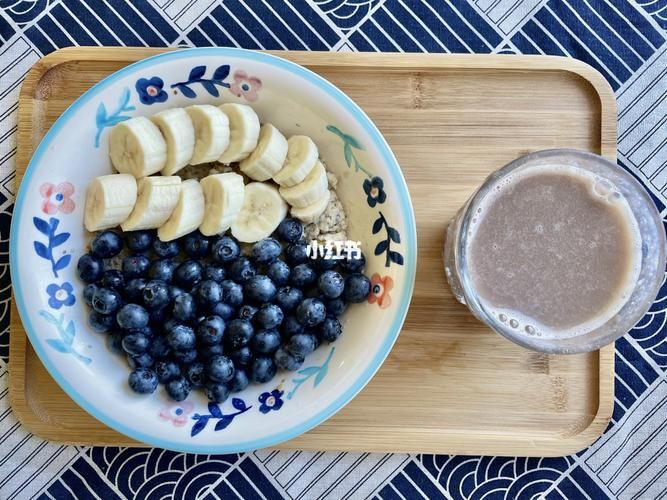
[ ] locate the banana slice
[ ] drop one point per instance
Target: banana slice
(137, 147)
(313, 211)
(211, 132)
(263, 210)
(244, 131)
(109, 201)
(224, 195)
(156, 199)
(308, 191)
(268, 157)
(188, 214)
(178, 131)
(301, 158)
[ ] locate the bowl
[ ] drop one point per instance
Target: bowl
(48, 237)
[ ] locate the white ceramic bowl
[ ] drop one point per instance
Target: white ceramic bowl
(47, 239)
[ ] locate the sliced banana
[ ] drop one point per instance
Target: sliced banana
(313, 211)
(188, 214)
(268, 157)
(211, 132)
(309, 190)
(263, 210)
(244, 132)
(224, 195)
(179, 132)
(136, 147)
(156, 199)
(109, 201)
(301, 158)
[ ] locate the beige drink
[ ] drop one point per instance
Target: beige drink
(554, 251)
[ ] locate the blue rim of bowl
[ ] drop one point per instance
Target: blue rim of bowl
(410, 267)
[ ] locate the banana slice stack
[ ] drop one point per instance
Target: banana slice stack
(170, 140)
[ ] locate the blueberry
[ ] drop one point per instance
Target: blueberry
(208, 351)
(211, 330)
(101, 323)
(139, 241)
(311, 312)
(214, 272)
(136, 343)
(220, 368)
(194, 372)
(288, 297)
(162, 269)
(106, 244)
(247, 311)
(185, 357)
(216, 392)
(351, 264)
(322, 264)
(143, 381)
(296, 253)
(232, 293)
(143, 360)
(241, 356)
(259, 289)
(181, 337)
(106, 301)
(225, 311)
(167, 371)
(239, 332)
(133, 290)
(113, 278)
(132, 316)
(241, 270)
(208, 293)
(184, 308)
(147, 331)
(330, 329)
(279, 272)
(175, 291)
(188, 274)
(302, 344)
(335, 307)
(158, 316)
(90, 268)
(331, 284)
(239, 381)
(165, 248)
(286, 360)
(135, 266)
(357, 288)
(290, 230)
(262, 369)
(302, 275)
(178, 389)
(266, 251)
(226, 249)
(269, 316)
(88, 292)
(290, 327)
(195, 245)
(159, 348)
(155, 294)
(115, 342)
(266, 341)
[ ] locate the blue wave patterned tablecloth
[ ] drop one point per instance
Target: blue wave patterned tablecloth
(625, 40)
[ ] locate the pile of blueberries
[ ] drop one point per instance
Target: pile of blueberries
(197, 313)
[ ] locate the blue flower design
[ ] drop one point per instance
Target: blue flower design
(150, 90)
(60, 295)
(374, 189)
(270, 401)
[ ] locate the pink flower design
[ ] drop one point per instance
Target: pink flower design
(380, 291)
(57, 198)
(245, 86)
(177, 413)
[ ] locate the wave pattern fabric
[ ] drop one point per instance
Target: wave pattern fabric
(625, 40)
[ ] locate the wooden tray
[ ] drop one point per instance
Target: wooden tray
(450, 385)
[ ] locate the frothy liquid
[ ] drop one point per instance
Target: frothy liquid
(554, 251)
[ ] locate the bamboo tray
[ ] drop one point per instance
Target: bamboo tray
(450, 385)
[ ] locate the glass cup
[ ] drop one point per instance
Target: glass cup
(646, 287)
